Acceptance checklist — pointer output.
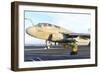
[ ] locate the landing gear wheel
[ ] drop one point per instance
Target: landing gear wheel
(48, 44)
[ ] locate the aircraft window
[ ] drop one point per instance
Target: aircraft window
(45, 24)
(57, 26)
(39, 25)
(49, 25)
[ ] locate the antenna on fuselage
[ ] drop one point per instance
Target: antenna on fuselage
(29, 20)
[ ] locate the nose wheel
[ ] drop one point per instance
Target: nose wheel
(48, 44)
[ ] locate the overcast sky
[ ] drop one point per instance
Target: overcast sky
(75, 22)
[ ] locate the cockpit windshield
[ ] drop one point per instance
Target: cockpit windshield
(39, 25)
(44, 24)
(47, 24)
(56, 26)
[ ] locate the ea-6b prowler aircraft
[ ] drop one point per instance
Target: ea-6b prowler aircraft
(53, 33)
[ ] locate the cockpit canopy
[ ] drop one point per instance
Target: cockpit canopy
(44, 24)
(47, 24)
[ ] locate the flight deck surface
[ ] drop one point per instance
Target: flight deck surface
(38, 53)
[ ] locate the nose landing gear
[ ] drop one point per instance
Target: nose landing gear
(48, 44)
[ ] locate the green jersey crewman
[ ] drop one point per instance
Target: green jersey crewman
(74, 48)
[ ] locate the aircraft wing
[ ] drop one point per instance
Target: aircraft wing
(83, 35)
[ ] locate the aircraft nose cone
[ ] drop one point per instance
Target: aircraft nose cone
(30, 31)
(37, 33)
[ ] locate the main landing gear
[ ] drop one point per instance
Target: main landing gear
(74, 47)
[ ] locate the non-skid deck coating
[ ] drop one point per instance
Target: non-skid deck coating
(38, 53)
